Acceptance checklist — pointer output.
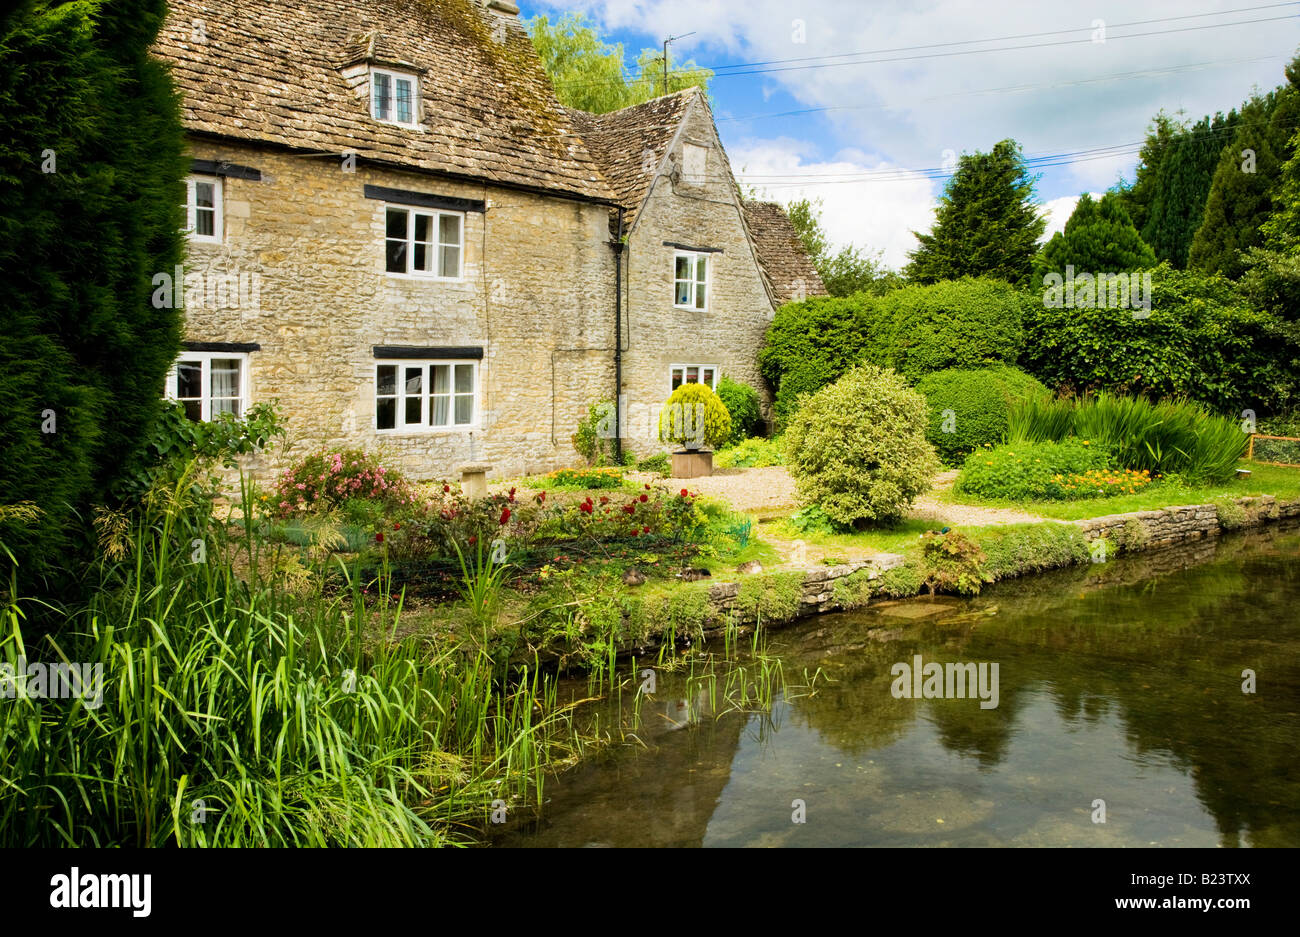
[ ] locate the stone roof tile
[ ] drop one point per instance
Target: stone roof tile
(781, 253)
(273, 71)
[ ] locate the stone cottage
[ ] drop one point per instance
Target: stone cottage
(696, 290)
(398, 233)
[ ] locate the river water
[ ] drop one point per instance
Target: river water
(1122, 718)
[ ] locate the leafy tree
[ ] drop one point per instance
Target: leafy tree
(1241, 192)
(1098, 238)
(987, 223)
(91, 206)
(848, 271)
(588, 72)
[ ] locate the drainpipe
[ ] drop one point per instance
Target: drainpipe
(618, 340)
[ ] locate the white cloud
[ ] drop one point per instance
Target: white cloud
(875, 216)
(1052, 99)
(1058, 212)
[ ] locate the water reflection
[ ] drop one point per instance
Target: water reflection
(1119, 683)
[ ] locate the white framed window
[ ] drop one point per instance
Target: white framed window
(695, 163)
(425, 396)
(423, 243)
(209, 383)
(706, 374)
(690, 280)
(203, 212)
(394, 97)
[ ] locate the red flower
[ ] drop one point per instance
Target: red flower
(683, 492)
(512, 494)
(629, 508)
(379, 537)
(647, 486)
(585, 507)
(645, 530)
(505, 516)
(473, 540)
(645, 498)
(397, 527)
(604, 500)
(446, 488)
(636, 533)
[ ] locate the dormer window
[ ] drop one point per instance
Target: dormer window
(394, 97)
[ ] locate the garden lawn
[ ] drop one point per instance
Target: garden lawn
(1279, 481)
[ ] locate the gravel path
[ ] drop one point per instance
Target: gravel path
(760, 490)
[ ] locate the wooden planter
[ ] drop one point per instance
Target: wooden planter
(696, 464)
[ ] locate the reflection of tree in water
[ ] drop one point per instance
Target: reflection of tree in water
(663, 796)
(1165, 655)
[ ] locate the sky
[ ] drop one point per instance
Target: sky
(865, 104)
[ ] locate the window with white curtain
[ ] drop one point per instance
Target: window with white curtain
(420, 396)
(210, 383)
(706, 374)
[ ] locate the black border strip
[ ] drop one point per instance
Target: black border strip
(428, 351)
(698, 250)
(424, 199)
(222, 346)
(216, 167)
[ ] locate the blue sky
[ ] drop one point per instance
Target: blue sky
(1079, 79)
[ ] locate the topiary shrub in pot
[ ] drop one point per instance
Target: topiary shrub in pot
(695, 420)
(857, 448)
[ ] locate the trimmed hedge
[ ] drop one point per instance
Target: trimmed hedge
(967, 323)
(1199, 341)
(970, 408)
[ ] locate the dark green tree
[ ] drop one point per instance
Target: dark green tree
(1137, 197)
(987, 223)
(1182, 185)
(91, 206)
(1241, 193)
(1098, 238)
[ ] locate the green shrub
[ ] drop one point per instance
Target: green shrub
(660, 462)
(593, 439)
(742, 405)
(694, 417)
(970, 408)
(1030, 471)
(754, 452)
(953, 563)
(1023, 548)
(1162, 439)
(1133, 535)
(967, 323)
(1199, 340)
(811, 344)
(858, 450)
(580, 479)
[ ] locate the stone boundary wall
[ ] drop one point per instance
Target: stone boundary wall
(1167, 526)
(1138, 530)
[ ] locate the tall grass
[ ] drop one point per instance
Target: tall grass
(239, 712)
(1172, 437)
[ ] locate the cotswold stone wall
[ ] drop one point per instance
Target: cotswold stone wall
(729, 333)
(1172, 525)
(536, 294)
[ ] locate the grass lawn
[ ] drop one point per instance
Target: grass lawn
(1282, 482)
